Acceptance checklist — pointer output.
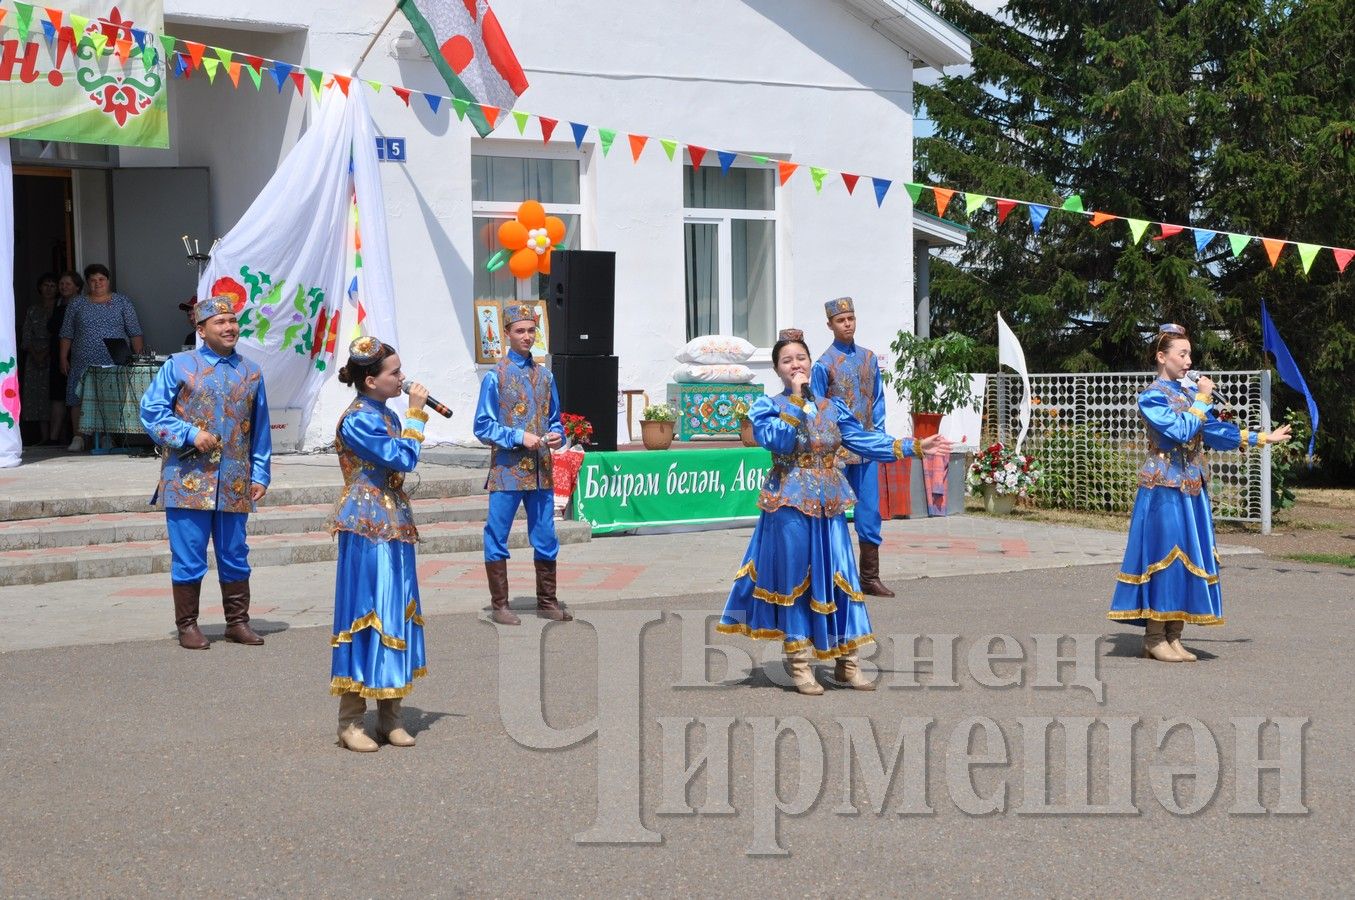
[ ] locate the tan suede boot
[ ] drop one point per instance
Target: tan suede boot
(802, 673)
(497, 573)
(848, 673)
(1174, 630)
(391, 725)
(1155, 644)
(352, 708)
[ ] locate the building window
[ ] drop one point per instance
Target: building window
(729, 235)
(499, 183)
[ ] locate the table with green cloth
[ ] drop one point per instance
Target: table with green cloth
(110, 397)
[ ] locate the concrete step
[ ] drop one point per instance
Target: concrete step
(47, 564)
(113, 528)
(92, 503)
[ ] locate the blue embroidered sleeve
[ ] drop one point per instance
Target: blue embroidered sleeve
(877, 410)
(261, 440)
(488, 430)
(1156, 409)
(1221, 435)
(774, 429)
(554, 424)
(368, 436)
(157, 409)
(874, 445)
(818, 379)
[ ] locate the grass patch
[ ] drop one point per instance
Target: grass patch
(1331, 559)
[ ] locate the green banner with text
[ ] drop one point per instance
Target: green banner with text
(636, 489)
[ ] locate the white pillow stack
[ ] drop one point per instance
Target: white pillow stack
(715, 358)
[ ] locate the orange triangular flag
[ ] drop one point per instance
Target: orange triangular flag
(1273, 248)
(234, 71)
(849, 180)
(491, 114)
(124, 47)
(342, 81)
(1167, 230)
(637, 146)
(1100, 218)
(53, 16)
(1004, 208)
(786, 169)
(943, 196)
(195, 51)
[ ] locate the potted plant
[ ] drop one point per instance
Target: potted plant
(745, 424)
(932, 375)
(656, 426)
(1001, 475)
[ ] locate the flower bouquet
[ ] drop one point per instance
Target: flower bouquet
(566, 462)
(1000, 471)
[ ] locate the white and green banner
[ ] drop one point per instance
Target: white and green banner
(91, 72)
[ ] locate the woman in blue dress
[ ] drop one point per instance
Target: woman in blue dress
(1170, 574)
(798, 583)
(378, 623)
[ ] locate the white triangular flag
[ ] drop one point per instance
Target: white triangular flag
(1010, 354)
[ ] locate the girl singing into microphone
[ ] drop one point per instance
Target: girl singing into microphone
(1170, 574)
(798, 583)
(377, 644)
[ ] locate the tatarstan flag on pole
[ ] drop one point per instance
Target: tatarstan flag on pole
(470, 50)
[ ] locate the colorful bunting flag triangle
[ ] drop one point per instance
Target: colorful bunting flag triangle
(784, 170)
(233, 70)
(972, 202)
(1004, 209)
(24, 20)
(1037, 213)
(726, 160)
(1073, 204)
(1168, 230)
(521, 118)
(434, 101)
(256, 76)
(914, 191)
(1343, 257)
(881, 188)
(1273, 248)
(1239, 243)
(697, 154)
(547, 128)
(211, 65)
(942, 196)
(605, 138)
(669, 147)
(1202, 239)
(817, 174)
(281, 73)
(459, 106)
(1137, 227)
(637, 146)
(1307, 252)
(579, 130)
(849, 181)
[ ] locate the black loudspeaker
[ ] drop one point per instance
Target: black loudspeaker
(581, 297)
(587, 387)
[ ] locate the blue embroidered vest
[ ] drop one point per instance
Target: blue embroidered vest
(524, 402)
(1169, 464)
(373, 503)
(219, 399)
(852, 378)
(809, 479)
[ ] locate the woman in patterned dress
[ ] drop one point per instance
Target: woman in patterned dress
(33, 340)
(1170, 574)
(377, 644)
(798, 583)
(95, 315)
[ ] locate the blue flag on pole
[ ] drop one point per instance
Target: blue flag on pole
(1272, 343)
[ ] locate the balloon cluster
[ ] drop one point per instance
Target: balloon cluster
(527, 241)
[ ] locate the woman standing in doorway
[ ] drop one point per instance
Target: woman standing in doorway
(35, 343)
(97, 314)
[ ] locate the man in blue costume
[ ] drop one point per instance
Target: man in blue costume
(208, 409)
(518, 416)
(852, 373)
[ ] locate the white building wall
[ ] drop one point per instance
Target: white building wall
(799, 79)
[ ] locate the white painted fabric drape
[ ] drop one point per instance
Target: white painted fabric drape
(11, 441)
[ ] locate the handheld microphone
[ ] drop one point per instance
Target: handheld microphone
(432, 404)
(807, 392)
(1194, 376)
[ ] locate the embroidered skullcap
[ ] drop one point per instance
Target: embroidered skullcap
(364, 350)
(1169, 328)
(791, 334)
(212, 306)
(839, 306)
(518, 312)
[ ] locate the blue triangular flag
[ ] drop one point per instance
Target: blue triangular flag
(434, 101)
(49, 30)
(1202, 239)
(353, 289)
(726, 160)
(280, 72)
(1037, 214)
(881, 188)
(579, 131)
(180, 65)
(140, 37)
(1272, 343)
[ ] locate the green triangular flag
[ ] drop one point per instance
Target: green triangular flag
(914, 191)
(762, 159)
(1306, 253)
(668, 147)
(606, 136)
(25, 11)
(316, 76)
(1073, 204)
(1137, 227)
(256, 75)
(100, 41)
(149, 57)
(973, 202)
(817, 174)
(375, 85)
(78, 25)
(167, 41)
(460, 106)
(211, 65)
(1239, 242)
(521, 118)
(225, 56)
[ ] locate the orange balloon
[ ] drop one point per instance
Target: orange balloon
(523, 263)
(513, 235)
(543, 263)
(532, 214)
(555, 230)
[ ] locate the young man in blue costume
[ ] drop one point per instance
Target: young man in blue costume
(207, 407)
(518, 416)
(849, 372)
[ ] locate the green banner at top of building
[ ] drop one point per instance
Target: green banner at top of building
(87, 72)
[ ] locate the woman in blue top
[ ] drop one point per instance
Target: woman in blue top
(96, 315)
(798, 583)
(1170, 574)
(378, 624)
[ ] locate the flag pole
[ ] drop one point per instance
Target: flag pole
(361, 59)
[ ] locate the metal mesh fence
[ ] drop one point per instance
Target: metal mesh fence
(1085, 430)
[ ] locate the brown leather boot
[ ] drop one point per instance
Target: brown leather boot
(871, 585)
(547, 607)
(186, 615)
(497, 572)
(235, 601)
(1174, 630)
(1155, 644)
(802, 673)
(352, 709)
(391, 724)
(848, 672)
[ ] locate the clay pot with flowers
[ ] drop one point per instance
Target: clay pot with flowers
(657, 424)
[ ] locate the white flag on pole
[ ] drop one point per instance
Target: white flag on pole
(1010, 354)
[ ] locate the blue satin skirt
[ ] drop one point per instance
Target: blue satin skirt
(378, 625)
(1171, 568)
(798, 584)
